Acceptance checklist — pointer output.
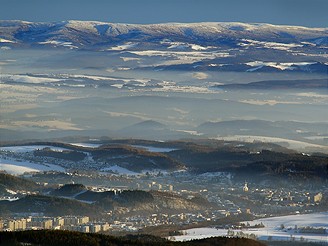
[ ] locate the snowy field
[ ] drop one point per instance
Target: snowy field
(272, 229)
(17, 167)
(87, 145)
(293, 144)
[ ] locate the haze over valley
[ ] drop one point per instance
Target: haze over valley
(165, 81)
(162, 128)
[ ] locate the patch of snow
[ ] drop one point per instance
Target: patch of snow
(198, 47)
(294, 144)
(316, 137)
(19, 167)
(194, 133)
(183, 45)
(122, 47)
(126, 59)
(119, 86)
(123, 68)
(311, 94)
(16, 170)
(180, 57)
(281, 66)
(11, 192)
(167, 86)
(29, 79)
(10, 199)
(60, 43)
(205, 55)
(270, 45)
(88, 145)
(2, 40)
(82, 76)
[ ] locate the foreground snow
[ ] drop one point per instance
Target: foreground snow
(271, 229)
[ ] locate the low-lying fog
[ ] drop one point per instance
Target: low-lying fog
(58, 92)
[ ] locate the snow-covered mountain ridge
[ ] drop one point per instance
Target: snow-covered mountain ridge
(88, 34)
(205, 46)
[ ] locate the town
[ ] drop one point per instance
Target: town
(221, 197)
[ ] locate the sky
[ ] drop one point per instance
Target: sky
(311, 13)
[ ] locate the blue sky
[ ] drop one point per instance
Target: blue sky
(311, 13)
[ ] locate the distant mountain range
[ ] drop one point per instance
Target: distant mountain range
(307, 134)
(229, 46)
(87, 34)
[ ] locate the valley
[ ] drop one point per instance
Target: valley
(179, 130)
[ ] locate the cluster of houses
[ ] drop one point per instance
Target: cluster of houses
(75, 223)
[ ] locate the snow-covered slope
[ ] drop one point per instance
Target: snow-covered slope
(88, 34)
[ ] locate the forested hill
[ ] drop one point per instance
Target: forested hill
(10, 182)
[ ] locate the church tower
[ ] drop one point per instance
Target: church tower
(245, 188)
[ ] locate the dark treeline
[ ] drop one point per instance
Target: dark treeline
(69, 155)
(70, 238)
